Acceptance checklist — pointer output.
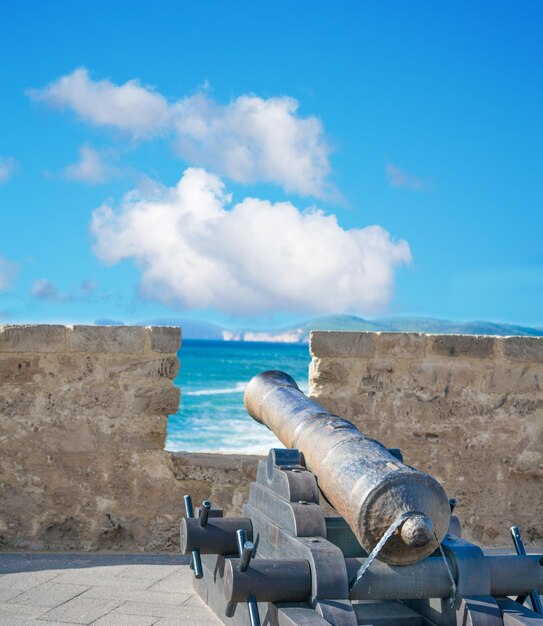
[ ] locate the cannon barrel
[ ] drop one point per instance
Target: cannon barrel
(360, 478)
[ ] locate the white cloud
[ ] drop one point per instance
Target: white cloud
(91, 167)
(399, 178)
(8, 273)
(43, 289)
(131, 107)
(88, 287)
(256, 256)
(253, 139)
(7, 167)
(250, 139)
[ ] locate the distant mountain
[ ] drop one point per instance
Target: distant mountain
(299, 333)
(431, 325)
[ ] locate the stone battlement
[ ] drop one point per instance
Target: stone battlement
(83, 415)
(466, 409)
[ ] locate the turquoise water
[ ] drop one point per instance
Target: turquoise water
(213, 376)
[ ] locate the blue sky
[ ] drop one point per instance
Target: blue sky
(419, 120)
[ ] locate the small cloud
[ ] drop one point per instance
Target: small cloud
(8, 273)
(7, 168)
(88, 287)
(399, 178)
(44, 289)
(131, 107)
(91, 168)
(253, 139)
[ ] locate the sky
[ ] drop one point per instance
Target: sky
(255, 164)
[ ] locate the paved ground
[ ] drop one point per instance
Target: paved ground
(99, 589)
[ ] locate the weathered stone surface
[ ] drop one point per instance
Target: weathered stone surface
(33, 338)
(469, 411)
(82, 434)
(129, 369)
(165, 338)
(473, 346)
(527, 349)
(18, 369)
(125, 339)
(402, 345)
(341, 344)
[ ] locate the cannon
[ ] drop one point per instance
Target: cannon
(338, 530)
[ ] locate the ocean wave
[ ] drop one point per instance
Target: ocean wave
(239, 388)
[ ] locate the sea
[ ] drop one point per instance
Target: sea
(212, 378)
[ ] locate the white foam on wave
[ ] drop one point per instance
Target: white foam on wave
(244, 437)
(239, 388)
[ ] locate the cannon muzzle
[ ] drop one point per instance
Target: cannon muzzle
(362, 480)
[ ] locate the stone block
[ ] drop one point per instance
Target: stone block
(77, 401)
(342, 344)
(329, 372)
(18, 369)
(507, 377)
(17, 400)
(33, 338)
(527, 349)
(401, 345)
(75, 368)
(156, 400)
(470, 346)
(223, 469)
(132, 370)
(122, 339)
(165, 338)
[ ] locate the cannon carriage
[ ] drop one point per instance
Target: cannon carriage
(338, 530)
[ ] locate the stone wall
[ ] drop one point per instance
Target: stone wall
(467, 409)
(83, 414)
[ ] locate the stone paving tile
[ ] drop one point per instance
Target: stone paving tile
(109, 590)
(182, 612)
(195, 600)
(92, 578)
(21, 621)
(165, 621)
(149, 572)
(26, 580)
(118, 619)
(175, 583)
(149, 597)
(81, 610)
(49, 594)
(8, 594)
(20, 610)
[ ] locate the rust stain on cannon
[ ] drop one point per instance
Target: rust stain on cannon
(368, 486)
